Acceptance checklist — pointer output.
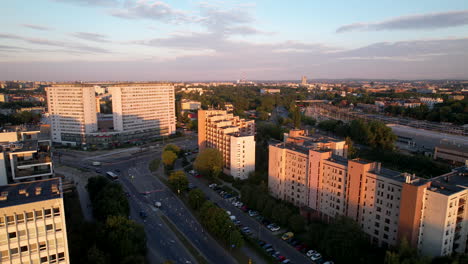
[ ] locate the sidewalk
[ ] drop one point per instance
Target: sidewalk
(80, 179)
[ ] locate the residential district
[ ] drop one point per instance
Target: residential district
(328, 171)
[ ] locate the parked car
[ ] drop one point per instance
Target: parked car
(286, 261)
(261, 243)
(244, 208)
(310, 253)
(213, 185)
(287, 235)
(143, 214)
(274, 228)
(253, 213)
(300, 247)
(281, 258)
(328, 262)
(294, 242)
(267, 246)
(316, 256)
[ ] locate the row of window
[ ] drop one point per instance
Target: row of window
(29, 216)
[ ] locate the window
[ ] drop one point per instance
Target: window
(24, 249)
(386, 229)
(38, 214)
(14, 251)
(43, 259)
(49, 227)
(29, 216)
(20, 218)
(61, 256)
(56, 211)
(12, 235)
(33, 247)
(10, 219)
(42, 246)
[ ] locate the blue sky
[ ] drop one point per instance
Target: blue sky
(227, 40)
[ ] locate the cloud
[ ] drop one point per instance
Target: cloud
(37, 27)
(91, 2)
(91, 36)
(67, 45)
(412, 22)
(154, 10)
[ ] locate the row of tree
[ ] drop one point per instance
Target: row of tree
(24, 117)
(215, 219)
(374, 134)
(169, 155)
(451, 111)
(116, 238)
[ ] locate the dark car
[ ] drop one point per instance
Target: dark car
(143, 214)
(261, 243)
(117, 170)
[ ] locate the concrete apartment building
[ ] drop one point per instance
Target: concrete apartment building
(25, 155)
(72, 112)
(313, 173)
(32, 223)
(141, 111)
(189, 105)
(452, 152)
(232, 136)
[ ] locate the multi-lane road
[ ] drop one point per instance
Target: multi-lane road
(137, 179)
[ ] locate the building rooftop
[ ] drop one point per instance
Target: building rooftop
(30, 192)
(452, 182)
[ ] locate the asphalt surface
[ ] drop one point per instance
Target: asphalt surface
(144, 190)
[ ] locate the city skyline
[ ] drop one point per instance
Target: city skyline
(226, 40)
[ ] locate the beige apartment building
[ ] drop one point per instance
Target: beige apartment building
(141, 111)
(72, 112)
(313, 172)
(232, 136)
(143, 107)
(32, 223)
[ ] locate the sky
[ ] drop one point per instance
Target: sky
(186, 40)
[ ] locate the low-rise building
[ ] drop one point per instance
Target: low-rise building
(189, 105)
(455, 153)
(270, 91)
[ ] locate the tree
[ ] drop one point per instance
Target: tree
(95, 186)
(173, 148)
(351, 149)
(297, 223)
(405, 255)
(296, 116)
(235, 239)
(96, 256)
(123, 237)
(196, 198)
(168, 158)
(111, 201)
(209, 162)
(268, 209)
(178, 181)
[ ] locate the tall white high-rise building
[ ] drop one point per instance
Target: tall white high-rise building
(140, 107)
(141, 111)
(72, 112)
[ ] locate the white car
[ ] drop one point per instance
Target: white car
(253, 213)
(275, 228)
(310, 253)
(316, 256)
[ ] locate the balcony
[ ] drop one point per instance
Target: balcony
(461, 210)
(459, 219)
(33, 171)
(461, 202)
(38, 160)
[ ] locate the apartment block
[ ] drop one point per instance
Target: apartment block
(72, 112)
(32, 223)
(25, 155)
(141, 111)
(189, 105)
(232, 136)
(143, 107)
(452, 152)
(313, 173)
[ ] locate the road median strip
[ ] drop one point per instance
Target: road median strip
(188, 245)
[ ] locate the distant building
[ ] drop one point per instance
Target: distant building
(455, 153)
(32, 223)
(269, 91)
(100, 90)
(3, 98)
(456, 97)
(141, 111)
(189, 105)
(229, 107)
(304, 80)
(430, 102)
(232, 136)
